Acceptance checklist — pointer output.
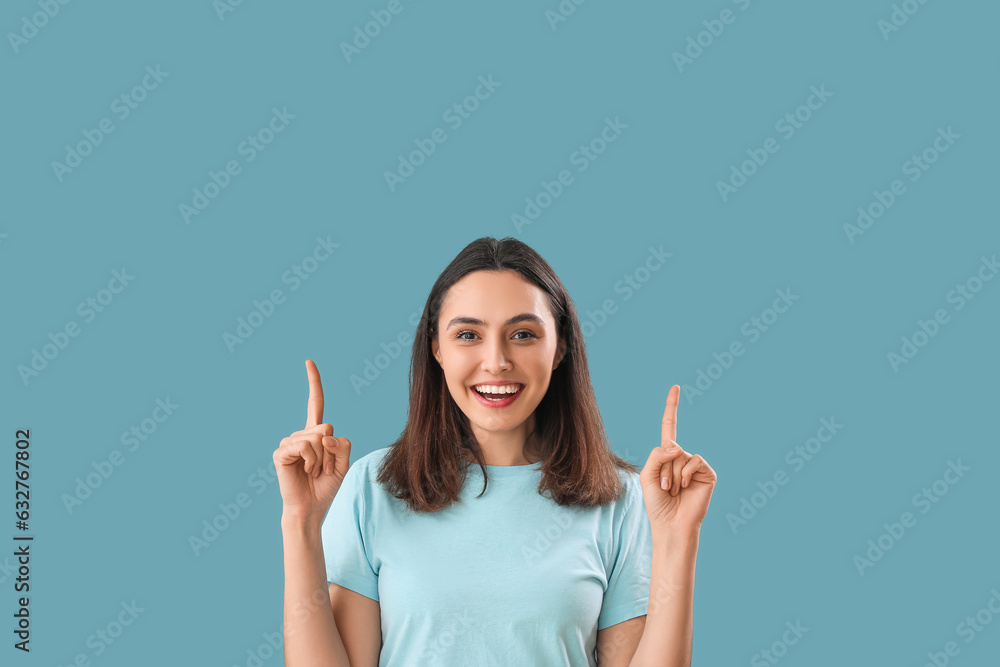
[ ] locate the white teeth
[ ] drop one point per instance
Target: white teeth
(494, 389)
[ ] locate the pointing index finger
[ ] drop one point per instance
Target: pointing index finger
(669, 430)
(314, 409)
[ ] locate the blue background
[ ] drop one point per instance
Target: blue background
(323, 176)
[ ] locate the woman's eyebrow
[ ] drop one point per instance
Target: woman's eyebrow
(523, 317)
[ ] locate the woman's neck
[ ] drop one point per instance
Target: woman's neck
(528, 455)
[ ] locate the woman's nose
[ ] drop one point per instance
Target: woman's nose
(496, 357)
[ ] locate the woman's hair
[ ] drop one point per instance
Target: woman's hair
(426, 466)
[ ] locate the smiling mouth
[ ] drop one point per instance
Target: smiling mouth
(498, 398)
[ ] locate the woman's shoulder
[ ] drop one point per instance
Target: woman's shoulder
(367, 465)
(631, 484)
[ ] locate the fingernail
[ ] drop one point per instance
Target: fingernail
(329, 468)
(664, 483)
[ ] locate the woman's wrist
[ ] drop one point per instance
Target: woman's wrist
(300, 521)
(686, 539)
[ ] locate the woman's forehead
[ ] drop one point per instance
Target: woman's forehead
(490, 295)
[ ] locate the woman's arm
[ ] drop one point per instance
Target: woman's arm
(667, 636)
(311, 636)
(676, 488)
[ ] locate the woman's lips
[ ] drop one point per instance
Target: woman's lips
(501, 403)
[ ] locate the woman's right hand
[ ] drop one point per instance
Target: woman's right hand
(311, 463)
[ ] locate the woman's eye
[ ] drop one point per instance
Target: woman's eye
(461, 334)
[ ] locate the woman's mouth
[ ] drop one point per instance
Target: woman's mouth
(496, 400)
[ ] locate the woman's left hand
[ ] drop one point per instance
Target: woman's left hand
(690, 480)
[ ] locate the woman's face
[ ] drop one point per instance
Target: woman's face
(477, 345)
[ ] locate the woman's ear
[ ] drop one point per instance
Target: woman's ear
(435, 351)
(560, 353)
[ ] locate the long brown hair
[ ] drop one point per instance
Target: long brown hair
(426, 466)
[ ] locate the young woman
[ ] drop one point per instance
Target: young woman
(500, 528)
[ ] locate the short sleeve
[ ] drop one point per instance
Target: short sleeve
(627, 594)
(346, 538)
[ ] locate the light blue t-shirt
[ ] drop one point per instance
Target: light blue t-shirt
(510, 578)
